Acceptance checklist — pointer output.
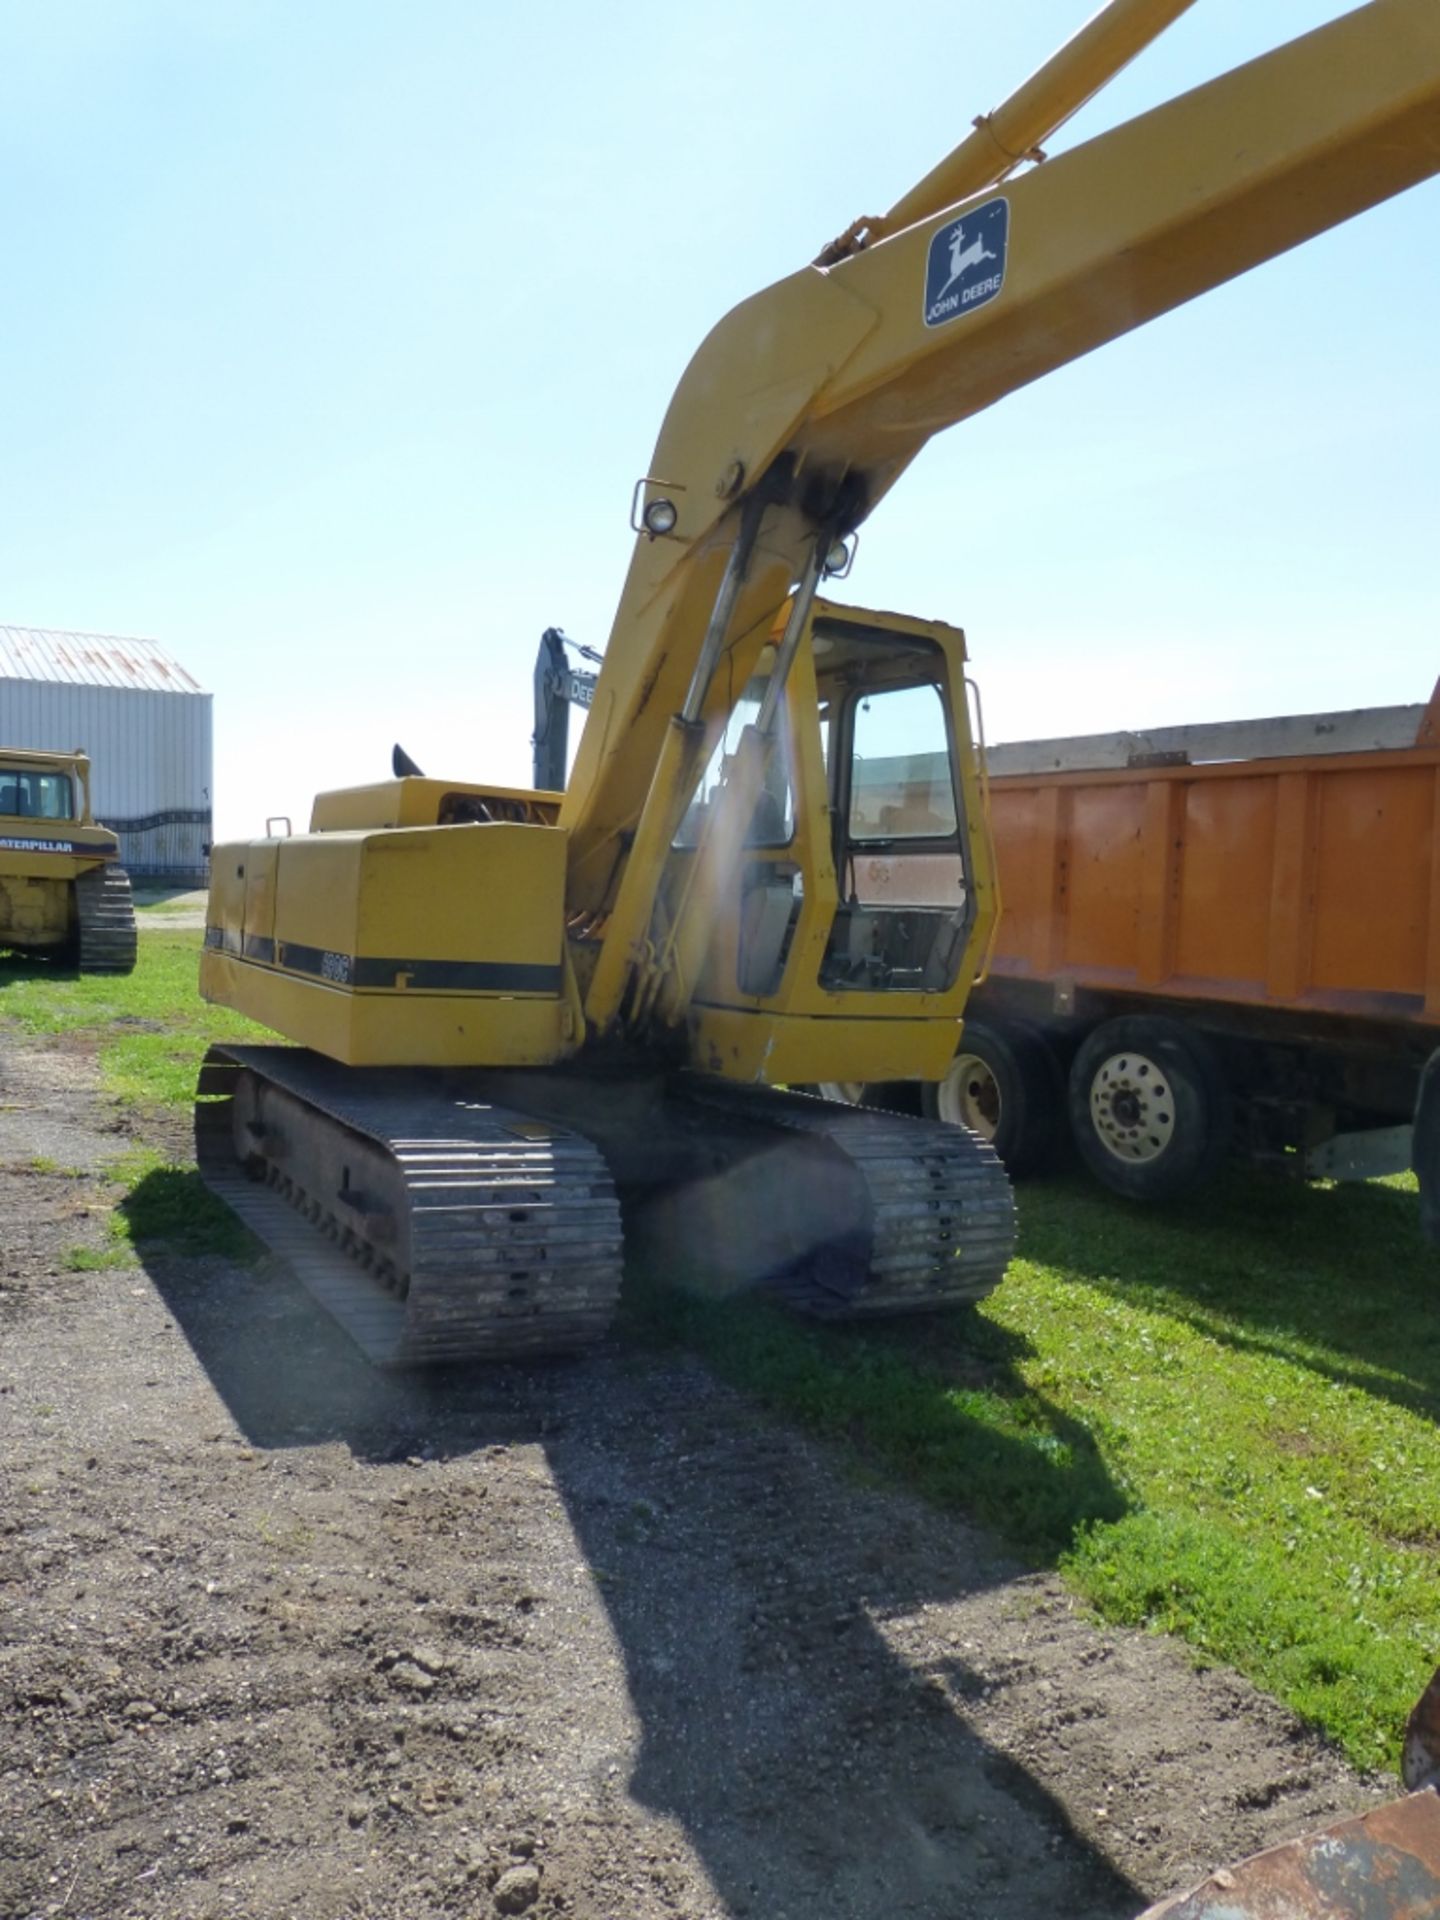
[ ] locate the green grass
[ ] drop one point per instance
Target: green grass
(161, 1208)
(1270, 1363)
(168, 1207)
(152, 1026)
(1218, 1421)
(97, 1259)
(152, 1030)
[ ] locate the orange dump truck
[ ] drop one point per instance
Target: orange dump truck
(1215, 939)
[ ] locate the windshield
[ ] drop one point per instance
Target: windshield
(35, 796)
(901, 785)
(773, 823)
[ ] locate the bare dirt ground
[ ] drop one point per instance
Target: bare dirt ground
(281, 1636)
(166, 908)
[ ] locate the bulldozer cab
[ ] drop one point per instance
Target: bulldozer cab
(44, 786)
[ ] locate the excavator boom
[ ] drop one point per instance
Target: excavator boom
(813, 396)
(1035, 112)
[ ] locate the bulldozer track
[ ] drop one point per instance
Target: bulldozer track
(105, 915)
(512, 1227)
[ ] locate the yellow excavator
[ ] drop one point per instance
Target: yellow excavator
(515, 1009)
(63, 892)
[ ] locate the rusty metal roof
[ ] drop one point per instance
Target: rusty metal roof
(91, 660)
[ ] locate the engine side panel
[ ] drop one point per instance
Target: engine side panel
(438, 946)
(34, 912)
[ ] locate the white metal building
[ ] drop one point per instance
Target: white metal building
(145, 724)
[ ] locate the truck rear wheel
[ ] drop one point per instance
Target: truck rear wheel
(1149, 1107)
(1006, 1085)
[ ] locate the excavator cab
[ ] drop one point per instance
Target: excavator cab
(900, 836)
(855, 882)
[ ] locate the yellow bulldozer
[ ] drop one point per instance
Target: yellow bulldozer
(516, 1009)
(63, 892)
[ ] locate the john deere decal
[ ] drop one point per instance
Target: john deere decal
(966, 265)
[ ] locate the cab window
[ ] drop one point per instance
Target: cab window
(773, 822)
(901, 785)
(35, 796)
(903, 847)
(898, 830)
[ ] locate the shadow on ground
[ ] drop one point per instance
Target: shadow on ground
(763, 1600)
(753, 1589)
(34, 966)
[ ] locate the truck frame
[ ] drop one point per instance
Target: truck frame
(1215, 938)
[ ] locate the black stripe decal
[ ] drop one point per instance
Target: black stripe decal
(346, 970)
(456, 976)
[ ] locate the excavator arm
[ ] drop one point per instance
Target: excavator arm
(807, 402)
(558, 687)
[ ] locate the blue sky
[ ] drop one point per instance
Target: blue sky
(334, 337)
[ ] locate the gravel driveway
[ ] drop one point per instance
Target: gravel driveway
(281, 1636)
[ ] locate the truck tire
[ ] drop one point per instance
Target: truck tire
(1425, 1149)
(1149, 1107)
(1006, 1085)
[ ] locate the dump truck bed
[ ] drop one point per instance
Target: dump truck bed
(1285, 863)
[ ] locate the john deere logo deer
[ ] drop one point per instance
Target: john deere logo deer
(966, 266)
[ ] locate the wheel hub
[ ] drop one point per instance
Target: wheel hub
(970, 1096)
(1132, 1107)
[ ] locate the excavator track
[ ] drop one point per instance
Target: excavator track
(468, 1231)
(105, 917)
(845, 1213)
(438, 1222)
(937, 1213)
